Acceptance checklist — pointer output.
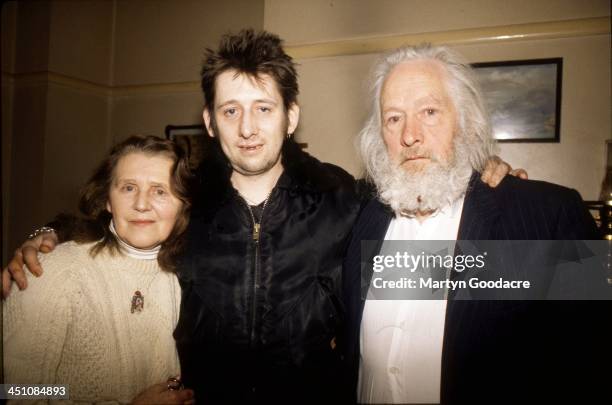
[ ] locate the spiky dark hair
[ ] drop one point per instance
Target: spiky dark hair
(252, 53)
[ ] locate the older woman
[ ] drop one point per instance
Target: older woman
(101, 320)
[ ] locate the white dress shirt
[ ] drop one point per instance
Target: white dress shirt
(401, 340)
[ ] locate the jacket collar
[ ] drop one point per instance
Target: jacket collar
(480, 210)
(303, 172)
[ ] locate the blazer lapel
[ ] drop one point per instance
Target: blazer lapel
(376, 218)
(371, 225)
(480, 211)
(478, 222)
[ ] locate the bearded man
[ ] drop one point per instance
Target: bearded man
(427, 138)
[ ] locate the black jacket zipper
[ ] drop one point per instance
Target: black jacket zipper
(255, 236)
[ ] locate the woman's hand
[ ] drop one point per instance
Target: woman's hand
(160, 394)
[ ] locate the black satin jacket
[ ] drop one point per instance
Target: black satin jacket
(259, 313)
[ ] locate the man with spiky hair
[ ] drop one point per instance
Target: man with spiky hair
(260, 276)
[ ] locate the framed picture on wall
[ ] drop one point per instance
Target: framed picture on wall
(523, 98)
(192, 138)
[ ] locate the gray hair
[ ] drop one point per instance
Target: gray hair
(463, 90)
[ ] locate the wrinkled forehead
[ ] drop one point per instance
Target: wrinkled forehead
(416, 80)
(144, 163)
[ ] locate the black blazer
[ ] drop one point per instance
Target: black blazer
(504, 351)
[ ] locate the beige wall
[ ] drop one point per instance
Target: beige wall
(23, 108)
(149, 114)
(163, 41)
(333, 101)
(330, 127)
(299, 21)
(75, 140)
(58, 127)
(80, 39)
(158, 48)
(9, 34)
(32, 36)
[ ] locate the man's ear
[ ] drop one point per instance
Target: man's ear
(108, 207)
(206, 117)
(293, 115)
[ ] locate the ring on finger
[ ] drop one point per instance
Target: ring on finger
(174, 384)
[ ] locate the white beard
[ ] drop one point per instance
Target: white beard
(423, 191)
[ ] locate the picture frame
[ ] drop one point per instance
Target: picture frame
(523, 98)
(193, 139)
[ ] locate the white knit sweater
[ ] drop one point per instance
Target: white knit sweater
(73, 326)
